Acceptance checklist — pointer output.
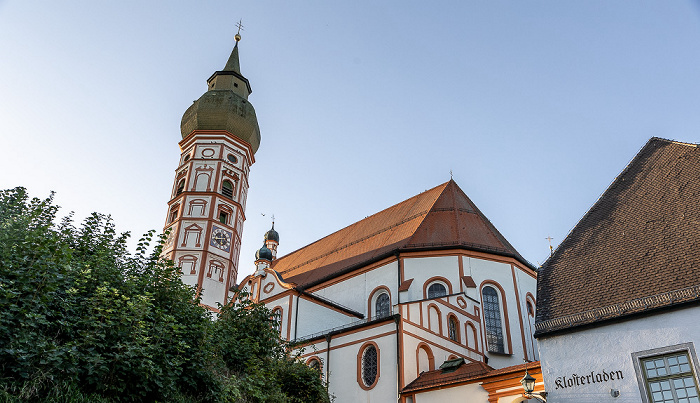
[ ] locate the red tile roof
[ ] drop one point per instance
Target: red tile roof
(438, 377)
(466, 373)
(636, 250)
(442, 217)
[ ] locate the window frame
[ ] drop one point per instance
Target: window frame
(360, 362)
(452, 320)
(501, 318)
(638, 357)
(372, 301)
(435, 283)
(225, 191)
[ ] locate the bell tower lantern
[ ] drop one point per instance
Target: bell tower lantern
(220, 136)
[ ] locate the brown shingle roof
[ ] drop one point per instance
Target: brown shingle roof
(637, 249)
(442, 217)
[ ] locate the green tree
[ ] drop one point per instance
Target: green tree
(81, 319)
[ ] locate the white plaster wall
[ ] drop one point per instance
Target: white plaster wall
(609, 348)
(422, 269)
(283, 303)
(464, 393)
(354, 291)
(213, 290)
(314, 318)
(187, 278)
(482, 270)
(343, 367)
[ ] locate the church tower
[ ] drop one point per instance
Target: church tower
(220, 136)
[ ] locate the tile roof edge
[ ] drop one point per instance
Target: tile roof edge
(600, 316)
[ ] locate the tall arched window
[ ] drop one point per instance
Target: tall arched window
(492, 320)
(453, 328)
(383, 305)
(227, 189)
(436, 290)
(369, 366)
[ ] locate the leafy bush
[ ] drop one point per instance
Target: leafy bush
(81, 319)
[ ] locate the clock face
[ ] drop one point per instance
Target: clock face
(220, 238)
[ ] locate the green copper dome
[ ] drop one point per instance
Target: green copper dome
(225, 106)
(272, 235)
(263, 253)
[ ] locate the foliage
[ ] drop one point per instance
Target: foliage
(81, 319)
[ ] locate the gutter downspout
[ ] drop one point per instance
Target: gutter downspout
(397, 319)
(296, 314)
(328, 360)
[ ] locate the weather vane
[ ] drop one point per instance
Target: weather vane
(239, 24)
(551, 250)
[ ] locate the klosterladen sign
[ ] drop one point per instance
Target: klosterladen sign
(573, 380)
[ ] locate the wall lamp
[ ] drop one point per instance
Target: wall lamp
(528, 383)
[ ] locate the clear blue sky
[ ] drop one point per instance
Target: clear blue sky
(535, 106)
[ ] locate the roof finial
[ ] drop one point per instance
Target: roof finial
(450, 174)
(551, 250)
(238, 34)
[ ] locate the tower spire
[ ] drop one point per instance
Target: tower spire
(233, 63)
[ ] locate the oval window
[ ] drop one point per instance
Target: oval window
(369, 365)
(232, 158)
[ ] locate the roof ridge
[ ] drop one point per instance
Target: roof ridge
(591, 209)
(360, 221)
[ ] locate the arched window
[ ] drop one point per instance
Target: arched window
(453, 328)
(369, 366)
(530, 308)
(277, 319)
(180, 187)
(492, 320)
(436, 290)
(383, 305)
(315, 364)
(227, 189)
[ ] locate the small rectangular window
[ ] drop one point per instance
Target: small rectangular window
(223, 217)
(668, 377)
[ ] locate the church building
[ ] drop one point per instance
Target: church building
(424, 301)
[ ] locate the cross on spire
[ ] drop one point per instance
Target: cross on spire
(239, 24)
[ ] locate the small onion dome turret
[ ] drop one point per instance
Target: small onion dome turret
(272, 235)
(263, 254)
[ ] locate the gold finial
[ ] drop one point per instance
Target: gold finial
(240, 28)
(551, 250)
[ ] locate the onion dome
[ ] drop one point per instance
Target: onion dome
(272, 235)
(263, 254)
(225, 105)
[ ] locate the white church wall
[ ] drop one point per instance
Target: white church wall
(416, 337)
(345, 382)
(585, 365)
(314, 317)
(500, 276)
(354, 292)
(422, 269)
